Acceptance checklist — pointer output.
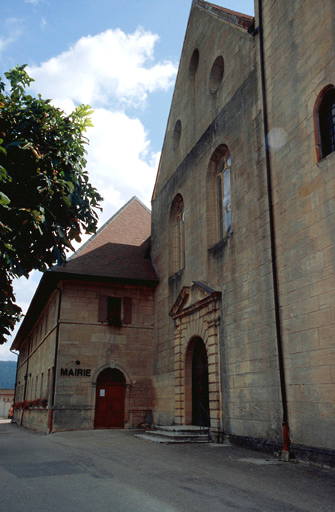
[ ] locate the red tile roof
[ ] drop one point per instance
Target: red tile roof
(111, 260)
(130, 225)
(120, 249)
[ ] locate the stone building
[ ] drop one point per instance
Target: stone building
(86, 342)
(242, 229)
(6, 401)
(242, 240)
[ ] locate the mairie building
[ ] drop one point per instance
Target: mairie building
(86, 341)
(222, 312)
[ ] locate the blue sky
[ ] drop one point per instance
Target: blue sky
(121, 57)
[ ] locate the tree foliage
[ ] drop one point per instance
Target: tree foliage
(46, 200)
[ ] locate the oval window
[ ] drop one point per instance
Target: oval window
(194, 64)
(176, 134)
(216, 74)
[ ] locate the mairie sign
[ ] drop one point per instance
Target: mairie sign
(75, 372)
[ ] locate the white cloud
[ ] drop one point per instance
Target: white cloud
(119, 161)
(111, 71)
(5, 354)
(106, 70)
(14, 28)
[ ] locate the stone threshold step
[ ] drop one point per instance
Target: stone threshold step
(171, 440)
(182, 429)
(176, 434)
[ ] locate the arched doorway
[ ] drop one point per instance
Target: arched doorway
(110, 399)
(197, 391)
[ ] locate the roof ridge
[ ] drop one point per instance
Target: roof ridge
(238, 18)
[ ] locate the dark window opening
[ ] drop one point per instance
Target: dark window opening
(115, 310)
(327, 122)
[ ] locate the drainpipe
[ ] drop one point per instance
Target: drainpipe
(53, 388)
(285, 422)
(26, 379)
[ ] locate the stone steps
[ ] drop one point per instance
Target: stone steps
(176, 434)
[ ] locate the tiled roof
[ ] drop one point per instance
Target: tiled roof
(244, 20)
(130, 225)
(112, 260)
(119, 248)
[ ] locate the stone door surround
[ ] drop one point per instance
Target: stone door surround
(196, 314)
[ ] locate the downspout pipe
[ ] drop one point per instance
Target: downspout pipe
(53, 388)
(25, 379)
(285, 421)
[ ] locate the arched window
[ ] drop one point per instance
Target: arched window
(177, 235)
(223, 196)
(219, 221)
(326, 121)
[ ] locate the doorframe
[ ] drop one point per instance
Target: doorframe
(197, 319)
(189, 360)
(113, 366)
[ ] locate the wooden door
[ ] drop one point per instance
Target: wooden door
(110, 399)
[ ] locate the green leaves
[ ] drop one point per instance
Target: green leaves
(4, 199)
(46, 199)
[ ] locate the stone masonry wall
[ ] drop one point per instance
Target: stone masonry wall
(299, 41)
(35, 368)
(239, 266)
(96, 346)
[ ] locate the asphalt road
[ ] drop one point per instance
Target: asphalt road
(111, 470)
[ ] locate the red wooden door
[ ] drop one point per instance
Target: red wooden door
(110, 399)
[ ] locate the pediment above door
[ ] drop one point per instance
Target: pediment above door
(195, 297)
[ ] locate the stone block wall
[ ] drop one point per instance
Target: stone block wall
(86, 346)
(85, 343)
(35, 367)
(238, 266)
(299, 41)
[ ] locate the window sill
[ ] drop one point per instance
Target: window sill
(218, 248)
(176, 276)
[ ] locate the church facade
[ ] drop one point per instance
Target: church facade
(241, 294)
(242, 228)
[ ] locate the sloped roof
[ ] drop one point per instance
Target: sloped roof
(130, 225)
(120, 249)
(114, 261)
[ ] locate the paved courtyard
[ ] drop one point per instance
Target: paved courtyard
(111, 470)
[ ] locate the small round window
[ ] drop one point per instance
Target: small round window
(216, 74)
(176, 134)
(194, 64)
